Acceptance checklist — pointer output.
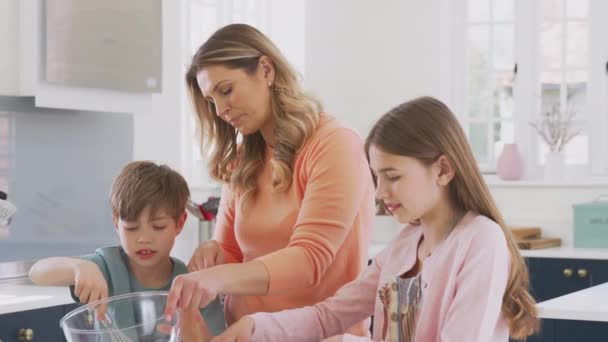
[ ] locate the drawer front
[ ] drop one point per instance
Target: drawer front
(39, 325)
(568, 331)
(551, 278)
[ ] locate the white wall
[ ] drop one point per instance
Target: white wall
(365, 57)
(549, 207)
(158, 132)
(287, 29)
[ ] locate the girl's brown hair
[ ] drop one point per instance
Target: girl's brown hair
(425, 129)
(295, 113)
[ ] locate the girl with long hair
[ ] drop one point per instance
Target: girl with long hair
(453, 273)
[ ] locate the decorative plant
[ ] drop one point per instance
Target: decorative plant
(554, 129)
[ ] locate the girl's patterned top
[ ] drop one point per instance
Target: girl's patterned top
(402, 298)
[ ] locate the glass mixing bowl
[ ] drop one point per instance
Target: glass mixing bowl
(133, 317)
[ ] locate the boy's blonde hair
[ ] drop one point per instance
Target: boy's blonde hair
(143, 183)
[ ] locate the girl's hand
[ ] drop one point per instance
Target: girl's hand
(192, 291)
(208, 254)
(337, 338)
(240, 331)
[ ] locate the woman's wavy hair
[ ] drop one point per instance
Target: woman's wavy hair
(295, 113)
(425, 129)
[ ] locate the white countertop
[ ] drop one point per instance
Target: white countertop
(554, 252)
(15, 298)
(567, 253)
(586, 305)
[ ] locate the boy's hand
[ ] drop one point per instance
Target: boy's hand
(191, 291)
(208, 254)
(240, 331)
(90, 285)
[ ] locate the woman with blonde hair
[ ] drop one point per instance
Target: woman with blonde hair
(453, 273)
(297, 204)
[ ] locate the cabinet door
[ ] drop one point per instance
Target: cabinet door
(42, 324)
(598, 271)
(69, 307)
(22, 70)
(551, 278)
(568, 331)
(9, 45)
(546, 333)
(17, 60)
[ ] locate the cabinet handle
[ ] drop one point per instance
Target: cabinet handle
(582, 273)
(26, 334)
(568, 272)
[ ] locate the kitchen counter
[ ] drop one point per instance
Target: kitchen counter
(586, 305)
(22, 296)
(567, 253)
(554, 252)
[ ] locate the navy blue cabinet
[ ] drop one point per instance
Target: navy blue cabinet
(547, 332)
(34, 325)
(568, 331)
(551, 278)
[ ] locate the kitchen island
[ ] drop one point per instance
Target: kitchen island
(590, 304)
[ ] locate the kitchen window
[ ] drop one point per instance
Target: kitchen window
(203, 18)
(515, 59)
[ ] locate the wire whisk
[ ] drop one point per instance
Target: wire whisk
(116, 335)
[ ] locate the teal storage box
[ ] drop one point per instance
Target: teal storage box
(591, 224)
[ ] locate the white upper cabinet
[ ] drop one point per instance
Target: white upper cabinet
(82, 54)
(9, 82)
(16, 79)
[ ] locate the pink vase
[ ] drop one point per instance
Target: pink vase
(510, 163)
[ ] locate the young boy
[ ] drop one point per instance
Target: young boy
(148, 204)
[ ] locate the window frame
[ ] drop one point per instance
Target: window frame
(225, 11)
(526, 84)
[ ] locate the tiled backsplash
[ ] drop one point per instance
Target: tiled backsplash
(57, 167)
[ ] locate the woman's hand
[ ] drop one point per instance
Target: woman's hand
(240, 331)
(208, 254)
(192, 291)
(197, 289)
(194, 327)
